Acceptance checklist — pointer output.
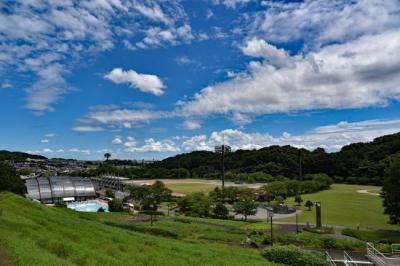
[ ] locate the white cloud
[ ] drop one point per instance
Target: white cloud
(44, 141)
(45, 39)
(330, 137)
(143, 82)
(50, 135)
(259, 48)
(153, 12)
(191, 124)
(117, 141)
(6, 85)
(183, 60)
(209, 14)
(231, 3)
(82, 151)
(159, 37)
(319, 22)
(45, 151)
(151, 145)
(87, 129)
(360, 73)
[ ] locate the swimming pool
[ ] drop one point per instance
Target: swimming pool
(87, 206)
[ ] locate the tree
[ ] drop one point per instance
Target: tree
(298, 200)
(195, 204)
(245, 206)
(150, 197)
(115, 205)
(309, 204)
(107, 155)
(220, 211)
(10, 181)
(391, 192)
(280, 200)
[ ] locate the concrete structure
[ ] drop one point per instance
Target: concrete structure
(59, 189)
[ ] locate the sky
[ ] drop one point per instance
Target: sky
(150, 79)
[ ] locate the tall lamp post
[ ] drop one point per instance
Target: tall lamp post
(222, 149)
(270, 215)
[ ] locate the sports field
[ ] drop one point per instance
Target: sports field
(347, 205)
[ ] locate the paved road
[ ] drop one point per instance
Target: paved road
(262, 214)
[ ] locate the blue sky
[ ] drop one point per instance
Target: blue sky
(150, 79)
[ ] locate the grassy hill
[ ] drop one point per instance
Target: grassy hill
(33, 234)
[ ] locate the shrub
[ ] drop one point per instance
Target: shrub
(220, 211)
(115, 205)
(291, 255)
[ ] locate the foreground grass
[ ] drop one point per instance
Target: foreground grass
(34, 234)
(343, 205)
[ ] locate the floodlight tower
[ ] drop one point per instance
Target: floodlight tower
(222, 149)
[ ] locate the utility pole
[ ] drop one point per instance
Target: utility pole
(300, 167)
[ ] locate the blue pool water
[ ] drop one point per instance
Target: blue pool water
(88, 206)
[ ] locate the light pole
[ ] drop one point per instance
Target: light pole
(223, 149)
(270, 215)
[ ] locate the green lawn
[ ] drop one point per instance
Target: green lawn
(187, 188)
(33, 234)
(343, 205)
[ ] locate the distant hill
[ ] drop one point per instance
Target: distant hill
(362, 163)
(18, 156)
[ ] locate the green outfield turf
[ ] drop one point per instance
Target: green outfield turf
(187, 188)
(343, 205)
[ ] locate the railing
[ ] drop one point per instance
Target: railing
(396, 248)
(348, 261)
(381, 259)
(329, 259)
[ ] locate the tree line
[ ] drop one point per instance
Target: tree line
(358, 163)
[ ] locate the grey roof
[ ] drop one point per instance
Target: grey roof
(44, 188)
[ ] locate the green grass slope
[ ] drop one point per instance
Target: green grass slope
(343, 205)
(33, 234)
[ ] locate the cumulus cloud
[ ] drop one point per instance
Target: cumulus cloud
(45, 39)
(150, 145)
(260, 48)
(117, 141)
(329, 137)
(191, 124)
(360, 73)
(45, 141)
(159, 37)
(143, 82)
(319, 22)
